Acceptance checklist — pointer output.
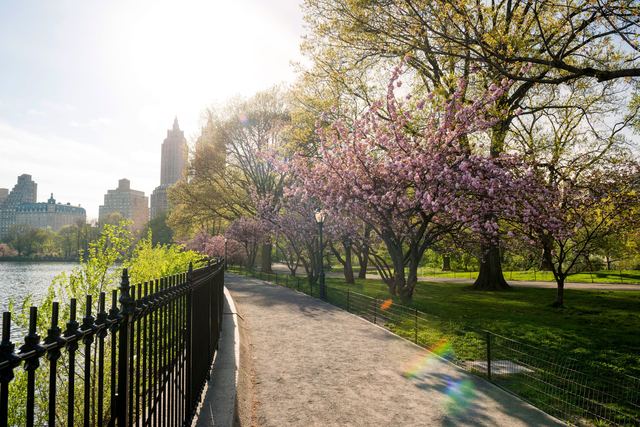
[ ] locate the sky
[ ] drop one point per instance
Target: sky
(89, 89)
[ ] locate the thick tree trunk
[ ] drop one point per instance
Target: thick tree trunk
(544, 264)
(348, 267)
(405, 289)
(364, 264)
(446, 263)
(392, 283)
(265, 263)
(490, 276)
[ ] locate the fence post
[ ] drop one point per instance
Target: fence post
(375, 310)
(298, 284)
(7, 351)
(488, 355)
(348, 300)
(189, 341)
(124, 352)
(415, 327)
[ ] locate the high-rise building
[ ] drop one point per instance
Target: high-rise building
(172, 166)
(4, 192)
(50, 214)
(25, 191)
(132, 204)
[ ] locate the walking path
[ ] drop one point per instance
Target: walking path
(317, 365)
(282, 268)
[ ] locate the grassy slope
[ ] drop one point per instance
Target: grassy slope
(594, 326)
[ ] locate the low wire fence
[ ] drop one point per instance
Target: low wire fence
(566, 388)
(143, 363)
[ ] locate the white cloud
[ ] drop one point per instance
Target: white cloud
(58, 107)
(33, 112)
(92, 122)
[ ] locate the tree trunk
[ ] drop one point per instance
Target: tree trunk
(544, 264)
(490, 276)
(348, 266)
(364, 260)
(407, 286)
(446, 263)
(364, 264)
(559, 303)
(265, 263)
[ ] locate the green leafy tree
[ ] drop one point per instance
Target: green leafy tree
(66, 237)
(159, 230)
(227, 165)
(24, 238)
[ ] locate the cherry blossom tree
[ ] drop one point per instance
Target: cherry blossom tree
(415, 185)
(250, 233)
(601, 202)
(295, 231)
(198, 243)
(215, 248)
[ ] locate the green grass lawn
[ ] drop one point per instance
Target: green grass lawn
(602, 276)
(600, 327)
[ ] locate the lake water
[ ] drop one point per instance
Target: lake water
(19, 279)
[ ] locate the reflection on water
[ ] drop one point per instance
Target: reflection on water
(18, 279)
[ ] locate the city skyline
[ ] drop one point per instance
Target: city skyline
(89, 90)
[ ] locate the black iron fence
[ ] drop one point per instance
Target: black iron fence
(143, 363)
(566, 388)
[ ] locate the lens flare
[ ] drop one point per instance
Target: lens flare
(243, 118)
(386, 304)
(421, 365)
(459, 395)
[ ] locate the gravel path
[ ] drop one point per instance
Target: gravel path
(317, 365)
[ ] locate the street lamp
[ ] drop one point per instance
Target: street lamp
(320, 217)
(225, 253)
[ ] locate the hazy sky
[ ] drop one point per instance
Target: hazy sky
(88, 89)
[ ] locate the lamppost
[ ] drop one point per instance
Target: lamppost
(320, 217)
(225, 254)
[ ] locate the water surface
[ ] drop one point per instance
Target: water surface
(19, 279)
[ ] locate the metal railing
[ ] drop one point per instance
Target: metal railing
(566, 388)
(144, 363)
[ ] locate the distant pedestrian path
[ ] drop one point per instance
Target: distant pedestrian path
(317, 365)
(281, 268)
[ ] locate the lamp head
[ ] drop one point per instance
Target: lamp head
(320, 216)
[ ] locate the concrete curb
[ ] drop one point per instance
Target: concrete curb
(227, 398)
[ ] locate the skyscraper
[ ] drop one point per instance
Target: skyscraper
(25, 191)
(132, 204)
(173, 164)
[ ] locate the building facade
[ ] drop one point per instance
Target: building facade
(4, 192)
(172, 167)
(132, 204)
(50, 214)
(25, 191)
